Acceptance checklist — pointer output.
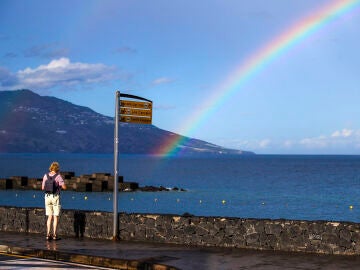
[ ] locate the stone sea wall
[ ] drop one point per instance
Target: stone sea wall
(263, 234)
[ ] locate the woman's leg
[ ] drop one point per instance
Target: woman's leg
(55, 223)
(48, 224)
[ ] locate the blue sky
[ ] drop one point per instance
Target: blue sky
(177, 53)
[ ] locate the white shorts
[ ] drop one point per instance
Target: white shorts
(52, 204)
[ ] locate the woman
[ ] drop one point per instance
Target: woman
(52, 184)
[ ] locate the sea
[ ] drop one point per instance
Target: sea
(300, 187)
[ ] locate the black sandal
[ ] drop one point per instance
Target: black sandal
(55, 237)
(48, 237)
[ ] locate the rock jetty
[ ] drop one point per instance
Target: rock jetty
(96, 182)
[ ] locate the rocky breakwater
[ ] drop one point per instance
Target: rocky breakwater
(96, 182)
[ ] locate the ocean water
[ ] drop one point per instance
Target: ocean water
(260, 186)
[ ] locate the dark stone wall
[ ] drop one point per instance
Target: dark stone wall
(72, 222)
(286, 235)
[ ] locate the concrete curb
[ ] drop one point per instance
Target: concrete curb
(114, 263)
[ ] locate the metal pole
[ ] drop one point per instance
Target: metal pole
(116, 165)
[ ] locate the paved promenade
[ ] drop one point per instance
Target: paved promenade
(132, 255)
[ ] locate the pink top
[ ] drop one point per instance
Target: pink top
(59, 180)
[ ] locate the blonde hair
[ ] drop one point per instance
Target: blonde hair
(54, 167)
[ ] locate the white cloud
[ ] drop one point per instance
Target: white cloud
(162, 80)
(59, 72)
(264, 143)
(316, 142)
(343, 133)
(251, 145)
(342, 141)
(288, 143)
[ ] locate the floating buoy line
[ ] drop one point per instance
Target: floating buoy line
(177, 200)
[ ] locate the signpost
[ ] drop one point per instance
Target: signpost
(128, 111)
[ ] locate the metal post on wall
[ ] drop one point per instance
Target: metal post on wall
(116, 166)
(130, 112)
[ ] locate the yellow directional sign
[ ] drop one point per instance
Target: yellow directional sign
(135, 104)
(136, 112)
(135, 119)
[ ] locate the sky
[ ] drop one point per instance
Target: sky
(272, 77)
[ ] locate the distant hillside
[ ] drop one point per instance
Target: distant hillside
(30, 123)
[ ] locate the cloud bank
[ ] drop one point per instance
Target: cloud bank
(57, 73)
(345, 141)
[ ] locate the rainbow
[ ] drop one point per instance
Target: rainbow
(257, 62)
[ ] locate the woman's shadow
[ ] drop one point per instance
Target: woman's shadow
(79, 223)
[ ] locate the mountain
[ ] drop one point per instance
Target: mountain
(30, 123)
